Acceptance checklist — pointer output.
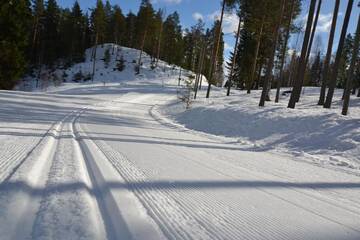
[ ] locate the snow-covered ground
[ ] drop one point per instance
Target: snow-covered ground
(308, 133)
(103, 74)
(88, 161)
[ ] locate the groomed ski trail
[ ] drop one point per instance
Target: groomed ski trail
(192, 194)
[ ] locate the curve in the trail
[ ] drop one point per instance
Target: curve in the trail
(124, 134)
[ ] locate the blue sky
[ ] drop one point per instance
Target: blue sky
(190, 10)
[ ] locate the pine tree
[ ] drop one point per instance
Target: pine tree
(233, 59)
(269, 69)
(354, 58)
(37, 30)
(109, 30)
(78, 31)
(334, 75)
(118, 25)
(172, 41)
(143, 25)
(51, 33)
(326, 73)
(302, 61)
(130, 20)
(15, 25)
(214, 64)
(98, 22)
(345, 61)
(315, 71)
(284, 50)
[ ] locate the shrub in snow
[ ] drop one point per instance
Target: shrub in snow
(64, 76)
(121, 64)
(185, 94)
(107, 58)
(87, 77)
(137, 69)
(78, 77)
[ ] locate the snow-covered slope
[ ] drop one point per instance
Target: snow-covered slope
(88, 161)
(111, 74)
(310, 132)
(103, 74)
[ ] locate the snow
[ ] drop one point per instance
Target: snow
(310, 132)
(126, 161)
(104, 75)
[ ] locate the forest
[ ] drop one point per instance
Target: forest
(40, 34)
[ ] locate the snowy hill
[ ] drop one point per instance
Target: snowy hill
(111, 74)
(104, 73)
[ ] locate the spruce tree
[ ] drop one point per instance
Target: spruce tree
(15, 25)
(52, 46)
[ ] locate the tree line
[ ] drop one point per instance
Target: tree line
(36, 34)
(261, 60)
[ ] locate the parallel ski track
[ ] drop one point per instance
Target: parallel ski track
(183, 202)
(83, 201)
(156, 115)
(21, 152)
(38, 159)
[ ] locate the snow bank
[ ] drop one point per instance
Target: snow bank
(309, 132)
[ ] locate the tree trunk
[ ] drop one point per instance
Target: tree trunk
(234, 58)
(215, 55)
(94, 59)
(258, 78)
(351, 70)
(202, 57)
(141, 51)
(159, 44)
(270, 65)
(328, 55)
(179, 76)
(332, 83)
(279, 82)
(313, 31)
(258, 43)
(302, 61)
(310, 44)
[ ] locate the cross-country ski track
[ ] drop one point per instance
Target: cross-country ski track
(101, 162)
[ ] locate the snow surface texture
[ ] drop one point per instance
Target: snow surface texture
(88, 161)
(309, 133)
(104, 74)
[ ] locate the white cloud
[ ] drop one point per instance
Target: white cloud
(197, 16)
(230, 22)
(227, 47)
(167, 1)
(324, 22)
